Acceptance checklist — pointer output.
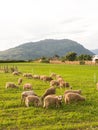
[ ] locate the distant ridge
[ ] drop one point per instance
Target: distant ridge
(47, 47)
(95, 51)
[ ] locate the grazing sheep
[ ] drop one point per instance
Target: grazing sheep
(28, 75)
(25, 94)
(36, 77)
(47, 78)
(54, 83)
(15, 73)
(52, 100)
(64, 84)
(11, 85)
(49, 91)
(27, 86)
(32, 100)
(60, 79)
(19, 81)
(73, 97)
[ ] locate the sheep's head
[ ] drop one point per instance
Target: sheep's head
(60, 99)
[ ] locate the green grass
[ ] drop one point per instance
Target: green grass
(76, 116)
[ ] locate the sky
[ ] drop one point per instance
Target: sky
(23, 21)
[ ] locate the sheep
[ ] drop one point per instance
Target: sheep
(11, 85)
(19, 81)
(52, 100)
(42, 77)
(28, 75)
(15, 73)
(60, 79)
(54, 83)
(27, 93)
(49, 91)
(27, 86)
(32, 100)
(73, 97)
(36, 77)
(47, 78)
(64, 84)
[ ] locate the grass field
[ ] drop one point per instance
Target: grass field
(76, 116)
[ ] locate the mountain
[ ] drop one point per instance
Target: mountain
(95, 51)
(48, 47)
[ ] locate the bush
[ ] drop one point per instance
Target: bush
(82, 62)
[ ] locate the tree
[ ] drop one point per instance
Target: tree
(71, 56)
(84, 57)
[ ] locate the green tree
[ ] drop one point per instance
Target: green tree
(84, 57)
(71, 56)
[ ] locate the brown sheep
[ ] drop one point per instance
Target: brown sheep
(27, 93)
(49, 91)
(19, 81)
(73, 97)
(52, 100)
(32, 100)
(11, 85)
(27, 86)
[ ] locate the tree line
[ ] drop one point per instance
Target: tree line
(70, 56)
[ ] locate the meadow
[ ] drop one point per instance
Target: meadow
(75, 116)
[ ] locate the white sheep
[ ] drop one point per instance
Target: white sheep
(32, 100)
(11, 85)
(20, 81)
(36, 77)
(27, 93)
(49, 91)
(73, 97)
(52, 100)
(28, 75)
(54, 83)
(27, 86)
(15, 73)
(63, 84)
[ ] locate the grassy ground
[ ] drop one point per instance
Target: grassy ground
(76, 116)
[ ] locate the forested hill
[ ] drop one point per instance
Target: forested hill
(48, 48)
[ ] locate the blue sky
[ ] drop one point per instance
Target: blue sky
(32, 20)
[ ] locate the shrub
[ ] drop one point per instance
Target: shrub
(82, 62)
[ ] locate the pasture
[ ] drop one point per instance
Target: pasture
(75, 116)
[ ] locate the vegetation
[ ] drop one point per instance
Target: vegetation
(75, 116)
(47, 48)
(71, 56)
